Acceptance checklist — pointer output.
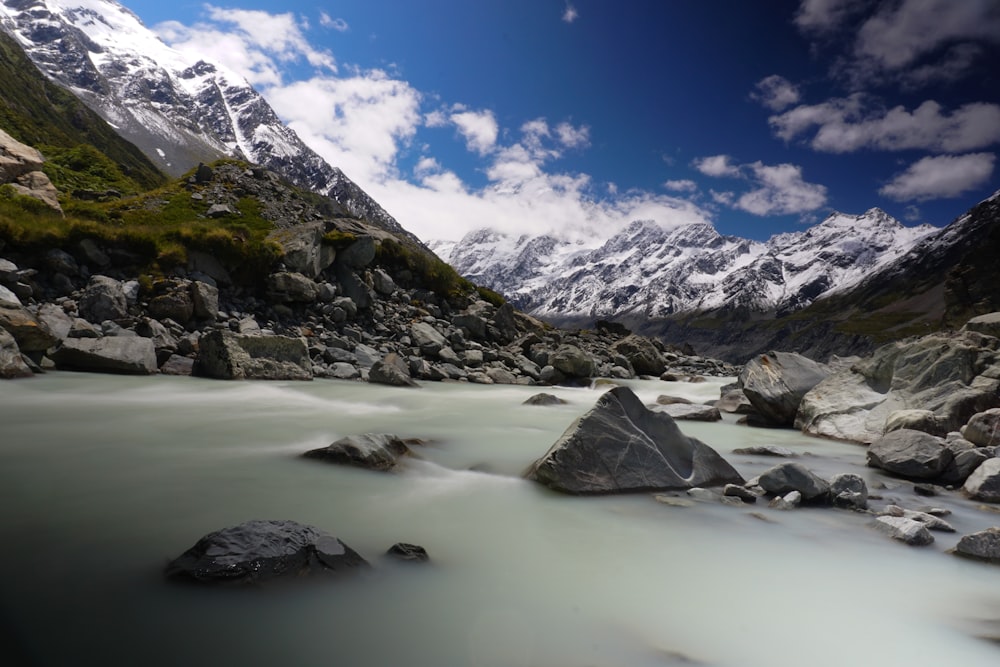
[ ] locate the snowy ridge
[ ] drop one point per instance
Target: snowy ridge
(179, 113)
(648, 272)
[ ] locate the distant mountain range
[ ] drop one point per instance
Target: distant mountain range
(841, 286)
(178, 113)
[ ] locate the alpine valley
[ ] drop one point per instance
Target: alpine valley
(842, 286)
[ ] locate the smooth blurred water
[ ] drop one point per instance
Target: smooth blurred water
(103, 479)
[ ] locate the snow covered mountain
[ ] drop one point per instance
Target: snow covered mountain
(647, 272)
(178, 113)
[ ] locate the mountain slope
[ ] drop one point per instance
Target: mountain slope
(178, 113)
(39, 113)
(648, 272)
(942, 281)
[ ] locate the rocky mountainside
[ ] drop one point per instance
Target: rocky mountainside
(647, 272)
(178, 113)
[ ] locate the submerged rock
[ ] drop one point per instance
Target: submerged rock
(787, 477)
(691, 412)
(408, 553)
(258, 551)
(621, 446)
(908, 531)
(375, 451)
(544, 399)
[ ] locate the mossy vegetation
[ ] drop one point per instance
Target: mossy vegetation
(427, 270)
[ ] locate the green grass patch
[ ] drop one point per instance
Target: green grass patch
(428, 271)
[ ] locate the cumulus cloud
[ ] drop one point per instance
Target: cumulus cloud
(682, 185)
(776, 92)
(570, 14)
(573, 137)
(780, 190)
(252, 43)
(338, 24)
(940, 176)
(479, 128)
(716, 165)
(775, 189)
(844, 125)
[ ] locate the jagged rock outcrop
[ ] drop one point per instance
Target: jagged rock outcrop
(952, 375)
(21, 168)
(620, 446)
(258, 551)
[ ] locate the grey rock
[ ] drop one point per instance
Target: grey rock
(916, 420)
(206, 300)
(741, 492)
(735, 401)
(366, 355)
(374, 451)
(229, 356)
(132, 355)
(954, 375)
(6, 296)
(786, 477)
(984, 483)
(641, 354)
(984, 545)
(359, 254)
(908, 531)
(392, 370)
(103, 299)
(775, 383)
(766, 450)
(383, 282)
(501, 376)
(910, 454)
(11, 364)
(932, 522)
(31, 334)
(572, 362)
(202, 262)
(408, 553)
(303, 248)
(56, 320)
(983, 428)
(988, 324)
(849, 491)
(177, 365)
(544, 399)
(174, 303)
(474, 324)
(258, 551)
(682, 412)
(427, 338)
(789, 501)
(342, 370)
(620, 446)
(291, 286)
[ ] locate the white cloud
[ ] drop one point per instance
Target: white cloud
(776, 92)
(716, 165)
(479, 128)
(901, 33)
(780, 191)
(940, 176)
(570, 14)
(338, 24)
(252, 43)
(825, 15)
(844, 125)
(573, 137)
(776, 189)
(683, 185)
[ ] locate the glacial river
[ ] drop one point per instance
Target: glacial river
(103, 479)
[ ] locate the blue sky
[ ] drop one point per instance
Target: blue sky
(576, 117)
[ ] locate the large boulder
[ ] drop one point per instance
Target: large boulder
(130, 355)
(953, 375)
(988, 324)
(230, 356)
(621, 446)
(786, 477)
(572, 362)
(910, 454)
(304, 250)
(172, 300)
(291, 286)
(775, 383)
(31, 334)
(11, 364)
(391, 370)
(984, 483)
(103, 299)
(427, 338)
(983, 428)
(642, 354)
(359, 254)
(257, 551)
(374, 451)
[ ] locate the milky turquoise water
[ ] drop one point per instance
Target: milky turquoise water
(103, 479)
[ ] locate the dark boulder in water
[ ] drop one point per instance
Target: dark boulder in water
(375, 451)
(258, 551)
(620, 446)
